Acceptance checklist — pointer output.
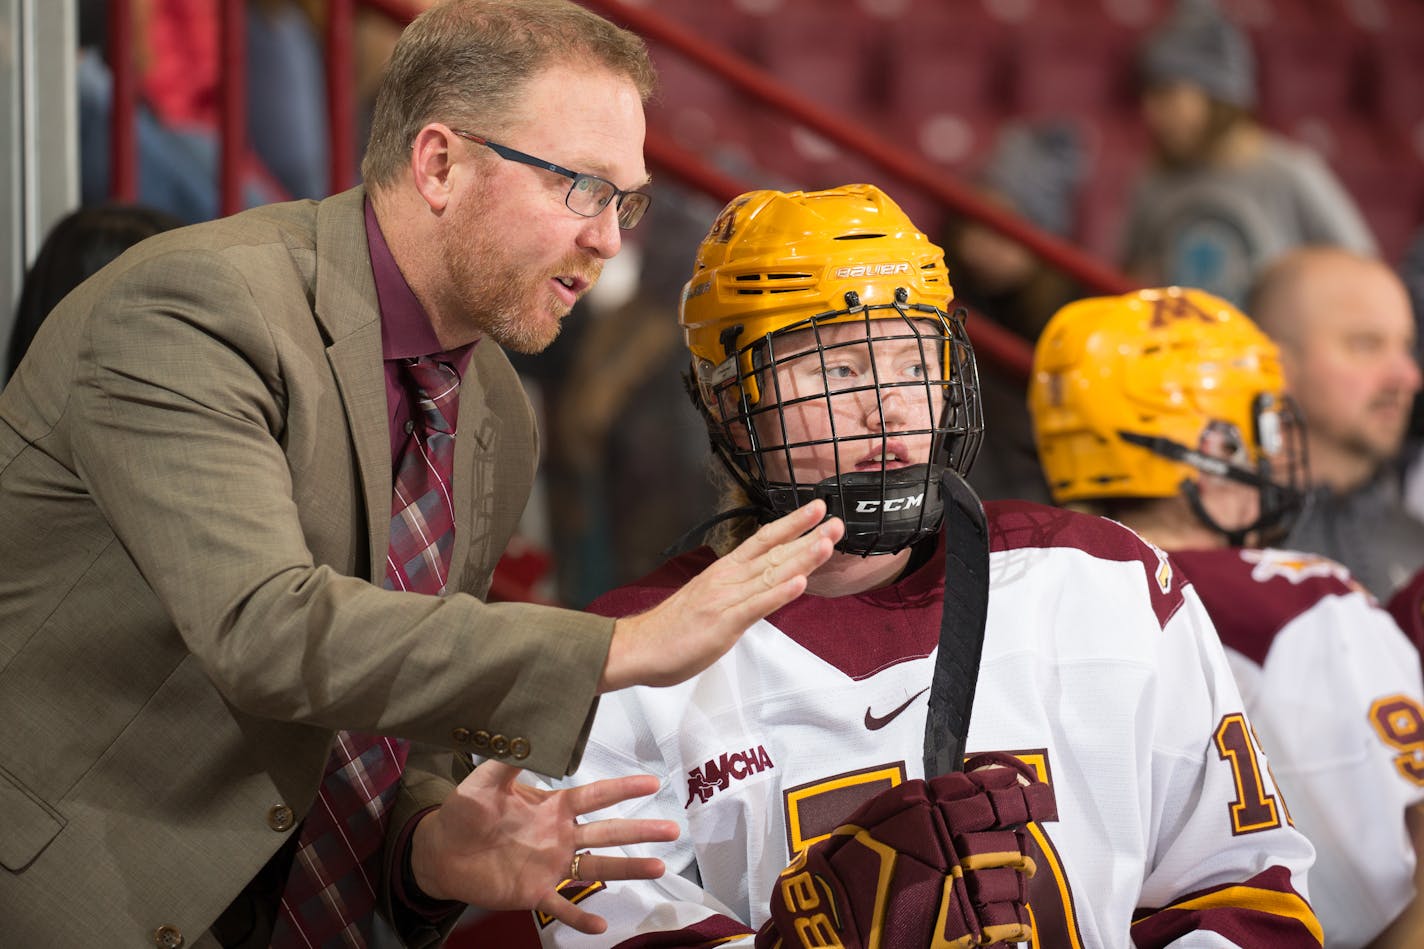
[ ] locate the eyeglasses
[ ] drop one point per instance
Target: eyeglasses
(588, 195)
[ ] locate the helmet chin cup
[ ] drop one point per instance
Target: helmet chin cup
(884, 512)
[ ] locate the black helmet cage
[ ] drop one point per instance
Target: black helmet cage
(884, 511)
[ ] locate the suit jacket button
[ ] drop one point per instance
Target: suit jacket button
(499, 746)
(461, 736)
(167, 937)
(481, 739)
(280, 818)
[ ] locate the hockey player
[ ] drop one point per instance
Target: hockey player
(826, 364)
(1166, 410)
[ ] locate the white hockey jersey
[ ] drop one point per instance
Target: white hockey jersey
(1333, 689)
(1098, 669)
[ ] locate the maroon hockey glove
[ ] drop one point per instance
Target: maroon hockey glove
(942, 862)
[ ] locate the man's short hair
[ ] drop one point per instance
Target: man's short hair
(465, 62)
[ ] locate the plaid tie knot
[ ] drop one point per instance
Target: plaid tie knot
(422, 512)
(437, 391)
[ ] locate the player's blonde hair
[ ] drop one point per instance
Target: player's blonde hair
(724, 536)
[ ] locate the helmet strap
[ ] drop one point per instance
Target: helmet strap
(1278, 506)
(1234, 538)
(694, 536)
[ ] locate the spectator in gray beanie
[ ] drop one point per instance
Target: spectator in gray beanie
(1198, 45)
(1034, 169)
(1222, 196)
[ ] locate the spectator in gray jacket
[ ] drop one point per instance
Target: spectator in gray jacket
(1223, 196)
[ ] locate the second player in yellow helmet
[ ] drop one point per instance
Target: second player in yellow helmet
(1138, 396)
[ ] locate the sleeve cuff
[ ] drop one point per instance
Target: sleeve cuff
(407, 896)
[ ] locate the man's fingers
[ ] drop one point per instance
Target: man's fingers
(586, 798)
(593, 866)
(570, 915)
(797, 557)
(758, 605)
(805, 554)
(692, 628)
(779, 531)
(617, 832)
(771, 587)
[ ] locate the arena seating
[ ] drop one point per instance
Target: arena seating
(939, 75)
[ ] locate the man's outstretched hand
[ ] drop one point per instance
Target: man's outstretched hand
(500, 844)
(695, 626)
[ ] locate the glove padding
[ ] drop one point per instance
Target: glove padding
(938, 863)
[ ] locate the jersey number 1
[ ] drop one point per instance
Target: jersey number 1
(1253, 809)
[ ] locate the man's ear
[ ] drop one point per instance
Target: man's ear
(432, 158)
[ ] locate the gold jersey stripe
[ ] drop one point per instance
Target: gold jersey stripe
(1274, 902)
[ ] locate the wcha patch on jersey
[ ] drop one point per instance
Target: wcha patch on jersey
(718, 775)
(1293, 566)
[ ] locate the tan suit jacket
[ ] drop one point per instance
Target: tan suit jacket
(195, 484)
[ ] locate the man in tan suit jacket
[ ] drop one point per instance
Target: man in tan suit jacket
(195, 485)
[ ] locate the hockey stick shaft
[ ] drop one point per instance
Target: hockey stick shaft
(962, 622)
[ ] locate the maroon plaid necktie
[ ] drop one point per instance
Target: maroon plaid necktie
(331, 892)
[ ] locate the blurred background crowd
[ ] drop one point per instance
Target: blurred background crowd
(1171, 142)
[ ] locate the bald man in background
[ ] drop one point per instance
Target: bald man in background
(1346, 332)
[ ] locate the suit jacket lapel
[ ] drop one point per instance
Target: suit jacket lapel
(475, 434)
(347, 310)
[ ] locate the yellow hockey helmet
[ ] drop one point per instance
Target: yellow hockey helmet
(781, 263)
(1135, 396)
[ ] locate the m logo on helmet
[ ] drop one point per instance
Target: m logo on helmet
(1167, 308)
(873, 270)
(725, 224)
(890, 505)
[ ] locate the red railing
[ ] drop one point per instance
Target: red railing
(232, 112)
(341, 89)
(1000, 347)
(123, 139)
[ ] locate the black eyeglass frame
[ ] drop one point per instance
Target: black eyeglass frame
(628, 213)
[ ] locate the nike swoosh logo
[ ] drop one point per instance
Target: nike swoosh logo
(876, 722)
